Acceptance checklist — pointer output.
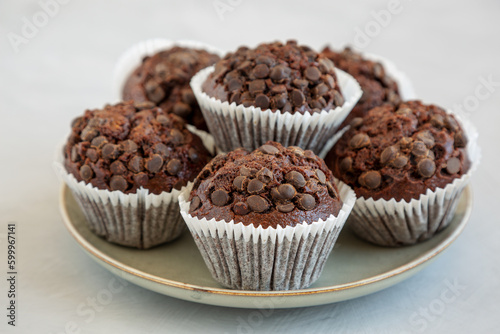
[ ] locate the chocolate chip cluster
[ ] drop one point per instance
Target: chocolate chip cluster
(377, 85)
(164, 80)
(127, 146)
(276, 76)
(270, 186)
(400, 152)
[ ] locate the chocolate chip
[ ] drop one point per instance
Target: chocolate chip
(241, 208)
(426, 168)
(154, 163)
(312, 73)
(338, 98)
(426, 137)
(460, 139)
(86, 172)
(378, 70)
(265, 175)
(220, 197)
(263, 59)
(235, 98)
(74, 154)
(257, 86)
(261, 71)
(92, 154)
(430, 155)
(321, 176)
(359, 141)
(330, 81)
(450, 123)
(371, 179)
(154, 91)
(286, 191)
(176, 137)
(245, 171)
(255, 186)
(118, 182)
(117, 167)
(280, 72)
(164, 120)
(234, 84)
(453, 166)
(110, 151)
(310, 155)
(99, 142)
(128, 146)
(297, 97)
(257, 203)
(89, 133)
(144, 105)
(240, 183)
(346, 164)
(161, 149)
(135, 164)
(285, 208)
(437, 121)
(268, 149)
(300, 83)
(187, 96)
(296, 179)
(195, 204)
(405, 142)
(331, 190)
(321, 89)
(262, 101)
(141, 179)
(356, 122)
(388, 154)
(174, 166)
(306, 202)
(326, 65)
(193, 155)
(182, 109)
(419, 149)
(400, 161)
(393, 97)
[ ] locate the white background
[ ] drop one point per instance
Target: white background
(445, 47)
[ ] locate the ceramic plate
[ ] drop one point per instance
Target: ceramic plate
(354, 268)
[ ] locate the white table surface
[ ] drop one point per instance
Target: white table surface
(446, 47)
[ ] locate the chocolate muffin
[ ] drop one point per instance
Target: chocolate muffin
(377, 85)
(276, 76)
(127, 146)
(269, 187)
(163, 79)
(125, 165)
(267, 219)
(408, 166)
(400, 152)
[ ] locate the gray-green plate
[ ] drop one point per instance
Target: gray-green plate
(355, 268)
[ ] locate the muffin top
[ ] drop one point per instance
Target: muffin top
(400, 152)
(269, 187)
(164, 80)
(276, 76)
(125, 146)
(377, 86)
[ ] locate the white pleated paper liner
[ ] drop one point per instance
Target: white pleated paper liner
(392, 223)
(132, 58)
(142, 219)
(252, 258)
(236, 126)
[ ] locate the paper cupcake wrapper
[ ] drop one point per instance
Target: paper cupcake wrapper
(405, 90)
(142, 220)
(132, 58)
(252, 258)
(236, 126)
(392, 223)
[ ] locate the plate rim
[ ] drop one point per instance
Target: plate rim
(425, 258)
